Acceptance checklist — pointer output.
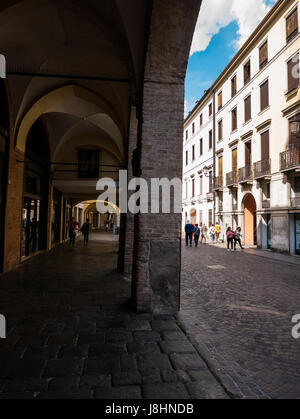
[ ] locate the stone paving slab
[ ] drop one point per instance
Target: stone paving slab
(72, 334)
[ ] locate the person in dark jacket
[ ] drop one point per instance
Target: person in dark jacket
(197, 233)
(189, 230)
(85, 230)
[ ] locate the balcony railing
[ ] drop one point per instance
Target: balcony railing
(232, 179)
(290, 158)
(246, 174)
(219, 182)
(262, 169)
(266, 204)
(295, 202)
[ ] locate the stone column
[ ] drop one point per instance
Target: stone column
(157, 257)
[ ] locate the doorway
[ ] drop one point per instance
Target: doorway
(250, 220)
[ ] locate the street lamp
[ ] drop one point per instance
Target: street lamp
(295, 128)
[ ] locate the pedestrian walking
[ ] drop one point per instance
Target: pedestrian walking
(237, 238)
(218, 232)
(189, 230)
(230, 236)
(212, 234)
(85, 230)
(203, 233)
(73, 225)
(197, 233)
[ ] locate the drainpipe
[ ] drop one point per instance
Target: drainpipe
(214, 153)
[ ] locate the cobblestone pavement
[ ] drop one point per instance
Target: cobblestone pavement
(71, 334)
(238, 309)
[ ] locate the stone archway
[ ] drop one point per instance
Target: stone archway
(250, 208)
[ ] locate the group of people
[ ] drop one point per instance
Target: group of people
(200, 233)
(85, 230)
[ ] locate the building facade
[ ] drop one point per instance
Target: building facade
(256, 132)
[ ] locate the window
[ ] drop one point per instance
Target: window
(201, 120)
(201, 185)
(220, 100)
(292, 25)
(210, 110)
(234, 119)
(186, 158)
(233, 86)
(88, 164)
(265, 146)
(193, 128)
(193, 153)
(220, 130)
(186, 190)
(234, 159)
(263, 55)
(210, 140)
(210, 182)
(247, 72)
(264, 95)
(201, 147)
(248, 108)
(193, 188)
(293, 73)
(186, 135)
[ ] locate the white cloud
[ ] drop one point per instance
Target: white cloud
(216, 14)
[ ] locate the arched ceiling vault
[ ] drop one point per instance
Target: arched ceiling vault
(91, 56)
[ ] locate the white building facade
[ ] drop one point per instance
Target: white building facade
(256, 135)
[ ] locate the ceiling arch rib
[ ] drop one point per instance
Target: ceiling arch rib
(71, 100)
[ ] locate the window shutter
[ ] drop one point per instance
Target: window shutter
(201, 119)
(265, 146)
(220, 100)
(248, 108)
(264, 95)
(248, 154)
(201, 147)
(263, 55)
(210, 109)
(247, 72)
(293, 82)
(210, 140)
(292, 24)
(234, 119)
(220, 166)
(234, 160)
(233, 86)
(220, 124)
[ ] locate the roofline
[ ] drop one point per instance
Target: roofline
(275, 10)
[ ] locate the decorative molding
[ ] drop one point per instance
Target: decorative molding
(233, 143)
(247, 135)
(288, 112)
(264, 125)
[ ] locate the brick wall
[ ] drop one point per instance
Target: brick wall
(157, 257)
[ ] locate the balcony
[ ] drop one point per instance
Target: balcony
(234, 207)
(221, 206)
(232, 179)
(218, 183)
(290, 159)
(262, 169)
(295, 202)
(246, 175)
(266, 204)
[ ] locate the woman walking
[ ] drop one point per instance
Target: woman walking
(237, 238)
(229, 235)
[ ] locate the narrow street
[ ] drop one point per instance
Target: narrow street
(238, 307)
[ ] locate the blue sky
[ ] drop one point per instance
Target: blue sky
(217, 40)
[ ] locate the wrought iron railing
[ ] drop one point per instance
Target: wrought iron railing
(232, 178)
(262, 168)
(290, 158)
(219, 182)
(266, 204)
(245, 174)
(295, 202)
